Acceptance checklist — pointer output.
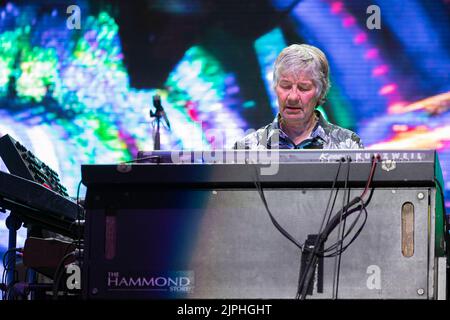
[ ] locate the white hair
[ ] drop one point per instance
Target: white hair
(299, 58)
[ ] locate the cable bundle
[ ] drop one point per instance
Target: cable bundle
(358, 204)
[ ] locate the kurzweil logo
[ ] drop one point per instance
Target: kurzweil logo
(367, 156)
(181, 281)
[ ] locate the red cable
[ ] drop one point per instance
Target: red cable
(372, 171)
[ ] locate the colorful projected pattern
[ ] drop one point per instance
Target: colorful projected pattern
(72, 87)
(267, 49)
(208, 97)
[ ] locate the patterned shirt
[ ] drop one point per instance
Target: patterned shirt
(325, 135)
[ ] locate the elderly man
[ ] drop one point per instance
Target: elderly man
(301, 82)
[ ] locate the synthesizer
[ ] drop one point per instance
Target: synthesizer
(22, 162)
(287, 168)
(37, 204)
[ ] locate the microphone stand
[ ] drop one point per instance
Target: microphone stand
(156, 142)
(158, 114)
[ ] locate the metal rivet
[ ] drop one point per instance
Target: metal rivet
(214, 192)
(420, 291)
(420, 196)
(393, 191)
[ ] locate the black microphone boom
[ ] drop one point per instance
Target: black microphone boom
(160, 110)
(158, 114)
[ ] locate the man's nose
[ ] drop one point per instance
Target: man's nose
(294, 95)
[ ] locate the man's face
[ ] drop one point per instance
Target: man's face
(296, 97)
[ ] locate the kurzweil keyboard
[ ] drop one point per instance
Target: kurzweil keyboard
(239, 168)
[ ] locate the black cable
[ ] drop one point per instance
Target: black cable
(77, 241)
(355, 200)
(79, 215)
(59, 273)
(339, 244)
(364, 204)
(340, 235)
(10, 250)
(327, 216)
(6, 267)
(302, 276)
(332, 207)
(260, 190)
(142, 159)
(5, 270)
(4, 285)
(322, 237)
(6, 263)
(8, 294)
(4, 277)
(78, 244)
(360, 208)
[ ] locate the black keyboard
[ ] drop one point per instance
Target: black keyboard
(36, 203)
(22, 162)
(280, 168)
